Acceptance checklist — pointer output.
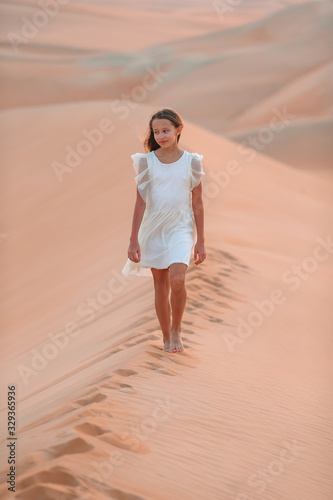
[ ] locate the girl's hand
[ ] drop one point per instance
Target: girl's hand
(199, 251)
(134, 252)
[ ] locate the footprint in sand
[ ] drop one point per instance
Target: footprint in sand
(158, 367)
(114, 384)
(186, 330)
(127, 442)
(164, 371)
(90, 429)
(56, 475)
(190, 341)
(96, 398)
(213, 319)
(152, 366)
(75, 445)
(29, 462)
(127, 389)
(125, 373)
(181, 359)
(149, 330)
(46, 492)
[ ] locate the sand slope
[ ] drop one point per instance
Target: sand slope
(103, 412)
(116, 416)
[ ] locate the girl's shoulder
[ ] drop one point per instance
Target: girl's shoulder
(140, 162)
(193, 157)
(139, 155)
(196, 156)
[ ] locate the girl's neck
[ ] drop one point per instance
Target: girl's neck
(169, 153)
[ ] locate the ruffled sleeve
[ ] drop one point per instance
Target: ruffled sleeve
(196, 171)
(142, 179)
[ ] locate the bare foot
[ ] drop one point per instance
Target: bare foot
(176, 344)
(166, 345)
(166, 341)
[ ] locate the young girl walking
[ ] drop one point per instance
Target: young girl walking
(162, 236)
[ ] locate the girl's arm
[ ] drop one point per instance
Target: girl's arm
(134, 253)
(139, 210)
(198, 211)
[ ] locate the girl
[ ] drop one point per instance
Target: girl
(162, 237)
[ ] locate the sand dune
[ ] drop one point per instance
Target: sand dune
(103, 26)
(249, 70)
(306, 144)
(92, 419)
(306, 97)
(103, 412)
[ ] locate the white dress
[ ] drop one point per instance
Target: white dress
(166, 233)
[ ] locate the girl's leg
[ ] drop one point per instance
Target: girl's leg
(178, 301)
(162, 303)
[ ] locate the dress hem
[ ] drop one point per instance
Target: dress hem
(160, 268)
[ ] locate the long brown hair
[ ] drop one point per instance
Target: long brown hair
(168, 114)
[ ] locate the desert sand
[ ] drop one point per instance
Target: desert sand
(101, 411)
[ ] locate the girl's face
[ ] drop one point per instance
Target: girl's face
(165, 133)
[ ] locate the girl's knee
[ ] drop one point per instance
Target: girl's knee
(161, 276)
(177, 281)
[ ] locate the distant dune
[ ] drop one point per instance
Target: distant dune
(102, 412)
(249, 70)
